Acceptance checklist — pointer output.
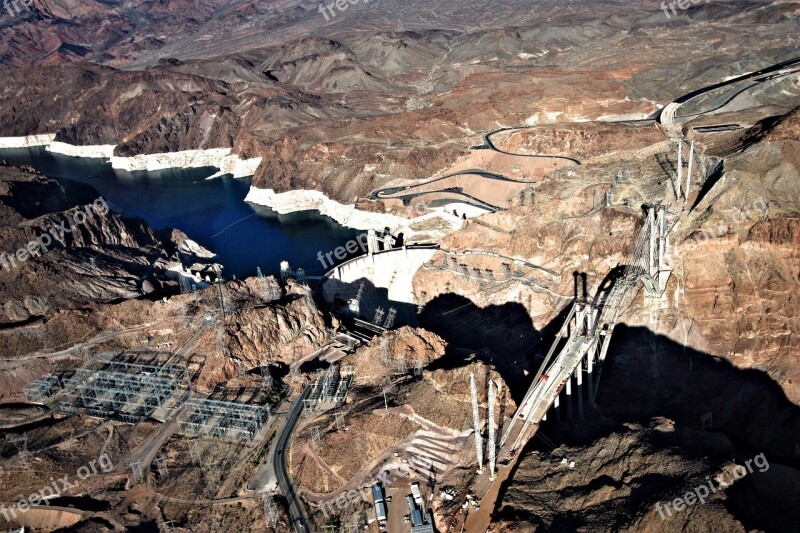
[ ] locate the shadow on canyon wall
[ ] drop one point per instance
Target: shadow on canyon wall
(648, 375)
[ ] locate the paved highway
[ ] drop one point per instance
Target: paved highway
(407, 198)
(487, 139)
(668, 114)
(297, 513)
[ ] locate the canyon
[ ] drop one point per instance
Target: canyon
(503, 158)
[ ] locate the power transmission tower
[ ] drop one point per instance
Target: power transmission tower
(679, 178)
(270, 512)
(161, 465)
(379, 313)
(224, 305)
(390, 318)
(184, 284)
(340, 422)
(196, 453)
(213, 472)
(492, 430)
(69, 443)
(476, 421)
(266, 377)
(222, 344)
(20, 442)
(386, 355)
(401, 365)
(418, 367)
(689, 172)
(138, 472)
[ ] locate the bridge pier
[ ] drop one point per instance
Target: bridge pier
(568, 399)
(590, 379)
(579, 379)
(557, 410)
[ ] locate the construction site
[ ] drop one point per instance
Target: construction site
(563, 334)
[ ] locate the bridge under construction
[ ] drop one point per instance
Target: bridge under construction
(581, 346)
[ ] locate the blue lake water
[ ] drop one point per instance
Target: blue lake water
(211, 212)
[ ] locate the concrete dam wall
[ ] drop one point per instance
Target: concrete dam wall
(392, 270)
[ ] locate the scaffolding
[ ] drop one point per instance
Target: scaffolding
(231, 421)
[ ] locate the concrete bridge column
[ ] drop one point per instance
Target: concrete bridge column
(372, 242)
(589, 378)
(556, 410)
(569, 397)
(579, 379)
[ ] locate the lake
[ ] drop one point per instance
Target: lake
(211, 212)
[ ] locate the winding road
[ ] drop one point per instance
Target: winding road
(383, 194)
(669, 113)
(297, 512)
(487, 139)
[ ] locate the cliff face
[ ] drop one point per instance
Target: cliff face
(738, 259)
(141, 112)
(721, 343)
(345, 103)
(647, 465)
(278, 335)
(64, 248)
